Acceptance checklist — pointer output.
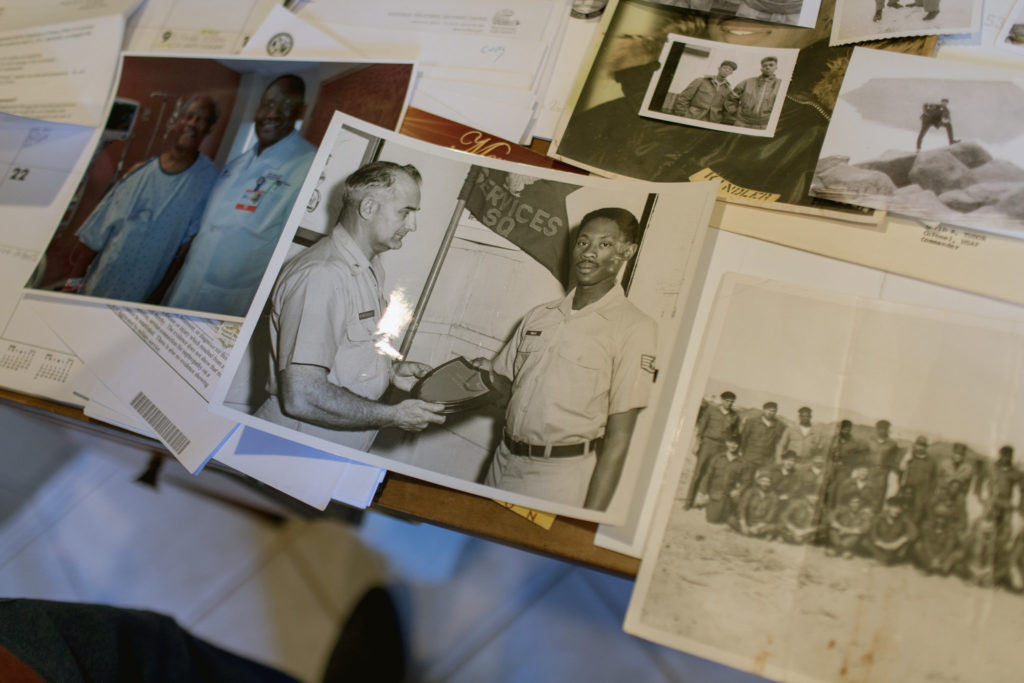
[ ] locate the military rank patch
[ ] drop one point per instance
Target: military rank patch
(647, 364)
(533, 333)
(366, 315)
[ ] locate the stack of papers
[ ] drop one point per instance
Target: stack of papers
(484, 64)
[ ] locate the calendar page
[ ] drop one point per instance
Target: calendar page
(36, 158)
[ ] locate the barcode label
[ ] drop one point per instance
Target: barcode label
(156, 419)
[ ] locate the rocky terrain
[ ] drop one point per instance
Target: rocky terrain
(961, 184)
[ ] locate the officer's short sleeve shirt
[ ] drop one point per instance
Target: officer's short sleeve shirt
(570, 369)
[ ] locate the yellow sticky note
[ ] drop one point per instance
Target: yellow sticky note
(542, 519)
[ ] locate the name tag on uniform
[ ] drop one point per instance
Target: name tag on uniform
(251, 197)
(533, 333)
(366, 315)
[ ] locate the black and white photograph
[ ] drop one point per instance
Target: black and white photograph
(846, 496)
(790, 12)
(604, 132)
(489, 326)
(719, 86)
(1011, 36)
(199, 165)
(860, 20)
(936, 140)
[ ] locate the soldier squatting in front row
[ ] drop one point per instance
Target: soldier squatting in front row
(855, 496)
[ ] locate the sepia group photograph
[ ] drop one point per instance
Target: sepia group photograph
(929, 139)
(846, 499)
(489, 326)
(718, 86)
(197, 169)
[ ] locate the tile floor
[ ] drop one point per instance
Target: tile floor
(74, 525)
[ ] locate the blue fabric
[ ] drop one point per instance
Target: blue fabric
(244, 218)
(139, 226)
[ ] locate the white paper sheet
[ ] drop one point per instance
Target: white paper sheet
(221, 27)
(283, 33)
(572, 52)
(50, 157)
(308, 475)
(60, 72)
(101, 404)
(525, 19)
(17, 14)
(36, 160)
(33, 360)
(984, 264)
(312, 476)
(124, 346)
(498, 114)
(498, 47)
(156, 369)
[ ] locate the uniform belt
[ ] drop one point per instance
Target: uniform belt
(536, 451)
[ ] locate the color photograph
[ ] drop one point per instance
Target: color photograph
(198, 167)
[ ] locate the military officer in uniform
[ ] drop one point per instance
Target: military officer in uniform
(751, 102)
(579, 370)
(760, 435)
(803, 438)
(714, 426)
(328, 373)
(704, 98)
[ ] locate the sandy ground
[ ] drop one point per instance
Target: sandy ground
(779, 608)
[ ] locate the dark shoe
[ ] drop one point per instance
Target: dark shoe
(954, 141)
(371, 646)
(931, 15)
(878, 16)
(895, 4)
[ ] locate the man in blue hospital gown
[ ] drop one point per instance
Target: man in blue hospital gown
(247, 209)
(130, 239)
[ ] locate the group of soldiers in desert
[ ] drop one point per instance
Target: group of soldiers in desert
(948, 514)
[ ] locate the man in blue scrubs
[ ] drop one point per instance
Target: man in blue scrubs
(247, 209)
